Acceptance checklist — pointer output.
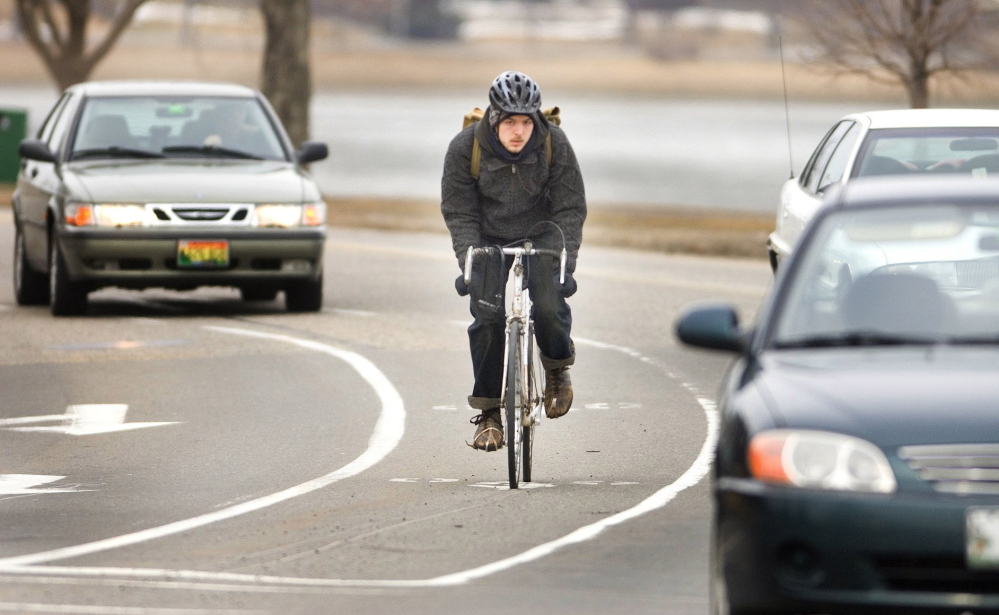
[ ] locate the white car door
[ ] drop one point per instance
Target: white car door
(800, 198)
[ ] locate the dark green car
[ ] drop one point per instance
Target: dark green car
(166, 184)
(857, 464)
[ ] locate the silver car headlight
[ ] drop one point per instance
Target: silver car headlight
(112, 215)
(287, 216)
(820, 460)
(121, 215)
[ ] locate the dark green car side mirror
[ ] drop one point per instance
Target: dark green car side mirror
(715, 327)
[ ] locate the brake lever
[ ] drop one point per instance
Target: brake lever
(468, 266)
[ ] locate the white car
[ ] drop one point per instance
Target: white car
(902, 143)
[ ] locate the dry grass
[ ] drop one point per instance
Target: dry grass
(659, 229)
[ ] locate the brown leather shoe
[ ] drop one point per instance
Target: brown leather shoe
(558, 392)
(488, 430)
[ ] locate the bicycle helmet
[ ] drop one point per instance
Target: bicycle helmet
(515, 93)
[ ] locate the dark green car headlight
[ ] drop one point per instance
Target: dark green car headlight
(820, 460)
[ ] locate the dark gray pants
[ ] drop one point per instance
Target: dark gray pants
(487, 334)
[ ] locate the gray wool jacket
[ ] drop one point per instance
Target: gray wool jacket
(507, 201)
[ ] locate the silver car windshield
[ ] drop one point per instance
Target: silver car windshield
(900, 275)
(189, 127)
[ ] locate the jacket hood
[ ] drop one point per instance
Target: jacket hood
(185, 181)
(490, 144)
(891, 397)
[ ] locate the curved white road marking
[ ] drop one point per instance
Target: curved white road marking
(212, 581)
(388, 432)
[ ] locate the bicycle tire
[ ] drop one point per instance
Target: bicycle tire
(532, 397)
(513, 404)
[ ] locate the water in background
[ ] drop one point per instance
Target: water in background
(723, 154)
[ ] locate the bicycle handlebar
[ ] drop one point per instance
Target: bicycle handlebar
(527, 249)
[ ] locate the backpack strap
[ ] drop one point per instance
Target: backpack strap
(477, 154)
(476, 157)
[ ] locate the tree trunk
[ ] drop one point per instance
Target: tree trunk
(286, 80)
(917, 86)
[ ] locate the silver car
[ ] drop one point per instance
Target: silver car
(140, 184)
(901, 143)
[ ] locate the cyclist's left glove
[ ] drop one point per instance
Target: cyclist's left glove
(568, 288)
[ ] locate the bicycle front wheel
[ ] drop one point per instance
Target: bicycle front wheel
(533, 398)
(514, 403)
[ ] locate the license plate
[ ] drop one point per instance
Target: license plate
(982, 537)
(198, 253)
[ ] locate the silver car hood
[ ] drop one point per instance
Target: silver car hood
(187, 181)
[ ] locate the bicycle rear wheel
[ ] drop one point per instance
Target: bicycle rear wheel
(513, 403)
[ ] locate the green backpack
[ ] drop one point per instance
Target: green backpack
(552, 114)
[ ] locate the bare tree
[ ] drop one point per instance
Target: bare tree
(286, 80)
(900, 41)
(57, 29)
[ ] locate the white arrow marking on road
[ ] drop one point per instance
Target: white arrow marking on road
(81, 420)
(22, 484)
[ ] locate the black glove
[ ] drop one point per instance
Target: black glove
(567, 288)
(460, 286)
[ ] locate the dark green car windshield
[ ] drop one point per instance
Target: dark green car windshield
(190, 127)
(900, 275)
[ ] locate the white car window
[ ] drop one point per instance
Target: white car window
(822, 156)
(904, 151)
(837, 164)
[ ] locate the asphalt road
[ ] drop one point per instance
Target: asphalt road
(183, 453)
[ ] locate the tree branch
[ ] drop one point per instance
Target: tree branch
(121, 21)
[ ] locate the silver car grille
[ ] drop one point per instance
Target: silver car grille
(166, 214)
(956, 468)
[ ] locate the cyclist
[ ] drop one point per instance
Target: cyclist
(519, 192)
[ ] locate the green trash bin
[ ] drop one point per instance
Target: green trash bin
(13, 128)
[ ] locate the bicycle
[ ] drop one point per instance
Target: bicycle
(522, 397)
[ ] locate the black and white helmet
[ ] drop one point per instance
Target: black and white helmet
(515, 93)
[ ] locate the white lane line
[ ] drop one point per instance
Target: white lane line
(387, 434)
(87, 420)
(200, 580)
(24, 484)
(349, 312)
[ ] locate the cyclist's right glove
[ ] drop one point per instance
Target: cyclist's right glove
(460, 286)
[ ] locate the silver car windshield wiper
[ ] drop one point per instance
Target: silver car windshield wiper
(857, 338)
(115, 152)
(210, 150)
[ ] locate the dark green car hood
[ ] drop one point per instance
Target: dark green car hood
(889, 396)
(189, 181)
